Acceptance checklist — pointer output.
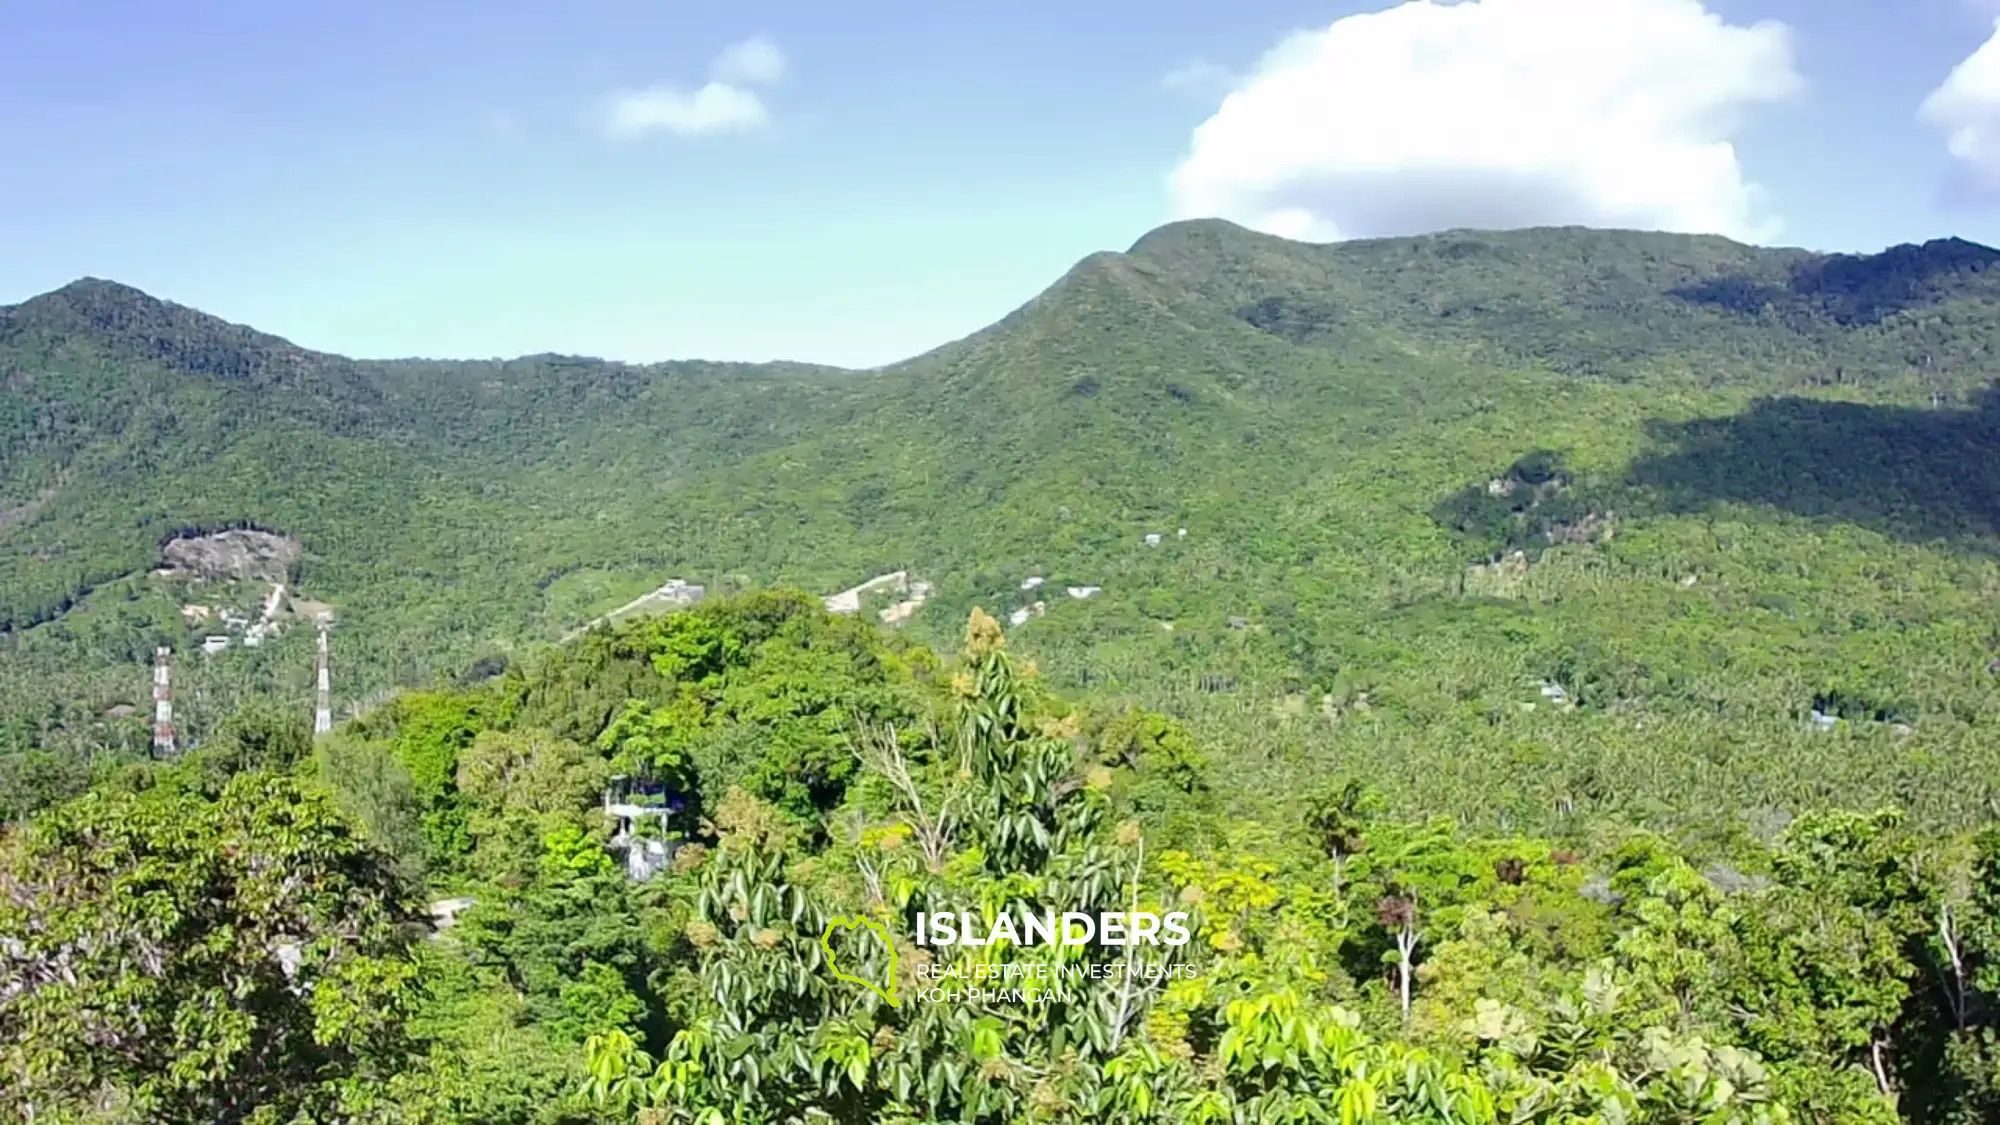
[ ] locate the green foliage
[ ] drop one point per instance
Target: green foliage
(425, 732)
(374, 788)
(1164, 769)
(259, 737)
(35, 779)
(173, 957)
(1541, 595)
(1800, 436)
(758, 692)
(489, 1061)
(517, 788)
(1346, 962)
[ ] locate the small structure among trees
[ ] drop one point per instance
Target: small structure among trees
(641, 810)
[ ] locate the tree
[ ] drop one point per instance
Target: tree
(520, 785)
(1337, 815)
(372, 785)
(36, 779)
(568, 939)
(882, 754)
(1828, 968)
(260, 736)
(428, 730)
(1399, 917)
(175, 957)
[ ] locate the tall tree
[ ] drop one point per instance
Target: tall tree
(172, 957)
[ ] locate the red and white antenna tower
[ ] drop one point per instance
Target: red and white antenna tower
(163, 704)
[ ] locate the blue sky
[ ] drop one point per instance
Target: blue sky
(405, 177)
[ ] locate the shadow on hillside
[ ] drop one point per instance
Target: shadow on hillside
(1905, 471)
(1855, 289)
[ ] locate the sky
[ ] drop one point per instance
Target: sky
(857, 183)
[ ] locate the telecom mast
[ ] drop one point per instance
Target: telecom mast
(323, 703)
(163, 704)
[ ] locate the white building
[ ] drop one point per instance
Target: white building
(645, 847)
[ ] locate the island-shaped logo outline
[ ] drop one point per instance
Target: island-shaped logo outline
(845, 922)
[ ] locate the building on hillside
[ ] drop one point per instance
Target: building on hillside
(445, 911)
(642, 813)
(678, 593)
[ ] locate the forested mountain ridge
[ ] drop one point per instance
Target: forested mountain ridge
(1554, 672)
(1744, 483)
(129, 420)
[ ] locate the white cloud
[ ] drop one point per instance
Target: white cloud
(754, 62)
(1495, 114)
(724, 105)
(715, 108)
(1967, 109)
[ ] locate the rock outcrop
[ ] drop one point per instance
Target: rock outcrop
(238, 553)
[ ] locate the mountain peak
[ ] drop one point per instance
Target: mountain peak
(100, 288)
(131, 322)
(88, 298)
(1186, 232)
(91, 298)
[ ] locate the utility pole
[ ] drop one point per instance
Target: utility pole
(163, 704)
(323, 702)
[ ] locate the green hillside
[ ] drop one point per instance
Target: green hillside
(1745, 484)
(1553, 675)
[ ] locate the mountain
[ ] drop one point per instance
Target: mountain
(1530, 526)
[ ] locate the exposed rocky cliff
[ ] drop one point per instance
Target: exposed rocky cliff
(238, 553)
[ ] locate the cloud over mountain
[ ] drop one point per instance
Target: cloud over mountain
(1494, 113)
(1966, 108)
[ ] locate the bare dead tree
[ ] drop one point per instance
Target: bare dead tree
(1399, 917)
(871, 872)
(1127, 1002)
(1952, 972)
(881, 752)
(872, 876)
